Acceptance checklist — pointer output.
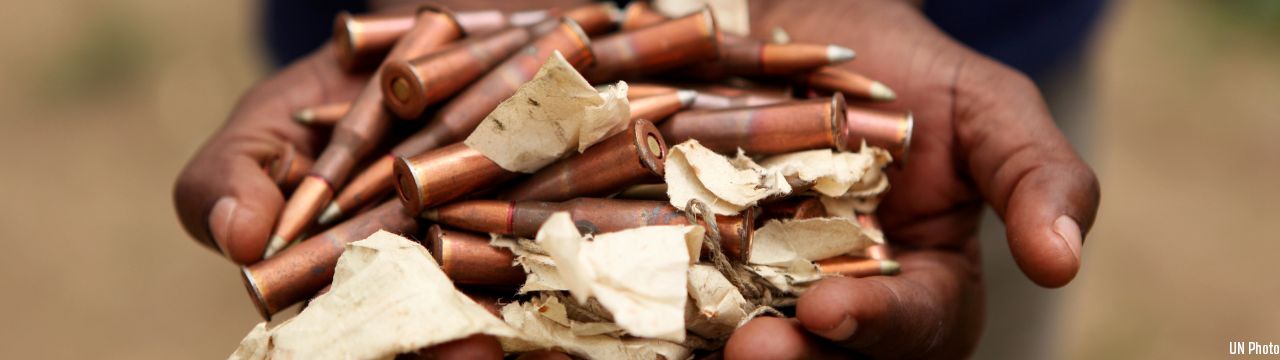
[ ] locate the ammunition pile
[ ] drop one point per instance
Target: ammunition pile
(690, 84)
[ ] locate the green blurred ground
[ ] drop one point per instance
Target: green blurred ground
(104, 101)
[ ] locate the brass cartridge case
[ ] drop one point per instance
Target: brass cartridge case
(323, 114)
(408, 87)
(463, 114)
(357, 133)
(591, 215)
(764, 130)
(853, 266)
(595, 19)
(639, 14)
(659, 107)
(890, 130)
(678, 42)
(363, 40)
(298, 272)
(794, 208)
(367, 186)
(288, 167)
(468, 258)
(444, 174)
(631, 157)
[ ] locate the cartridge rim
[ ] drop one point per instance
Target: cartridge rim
(643, 134)
(411, 194)
(343, 25)
(839, 123)
(447, 12)
(590, 56)
(714, 29)
(251, 286)
(414, 89)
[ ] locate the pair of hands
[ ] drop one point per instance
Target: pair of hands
(983, 136)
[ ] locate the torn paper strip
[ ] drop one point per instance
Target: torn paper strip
(726, 186)
(793, 279)
(731, 15)
(551, 115)
(717, 306)
(781, 243)
(388, 297)
(639, 274)
(540, 271)
(542, 326)
(828, 172)
(253, 346)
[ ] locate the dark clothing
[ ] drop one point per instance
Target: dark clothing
(1027, 35)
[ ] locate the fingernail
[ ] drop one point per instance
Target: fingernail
(220, 217)
(1069, 232)
(841, 331)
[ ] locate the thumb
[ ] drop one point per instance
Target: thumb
(226, 200)
(1025, 168)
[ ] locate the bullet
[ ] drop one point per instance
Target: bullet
(299, 271)
(763, 130)
(713, 101)
(591, 215)
(631, 157)
(675, 43)
(748, 57)
(793, 208)
(408, 87)
(640, 14)
(857, 267)
(323, 114)
(357, 133)
(288, 167)
(850, 83)
(468, 259)
(875, 251)
(444, 174)
(890, 130)
(595, 19)
(657, 108)
(367, 186)
(641, 90)
(644, 192)
(460, 116)
(363, 40)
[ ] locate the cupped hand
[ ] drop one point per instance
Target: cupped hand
(983, 136)
(223, 196)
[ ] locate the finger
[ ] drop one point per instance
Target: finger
(478, 346)
(936, 297)
(1024, 166)
(777, 338)
(223, 197)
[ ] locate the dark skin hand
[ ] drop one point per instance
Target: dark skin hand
(983, 136)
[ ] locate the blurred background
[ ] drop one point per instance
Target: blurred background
(104, 102)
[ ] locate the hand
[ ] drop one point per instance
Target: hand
(983, 135)
(224, 198)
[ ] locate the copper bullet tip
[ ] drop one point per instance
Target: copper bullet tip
(274, 245)
(881, 92)
(686, 96)
(838, 54)
(305, 116)
(251, 286)
(331, 213)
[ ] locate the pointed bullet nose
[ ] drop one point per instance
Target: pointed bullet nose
(881, 92)
(839, 54)
(686, 96)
